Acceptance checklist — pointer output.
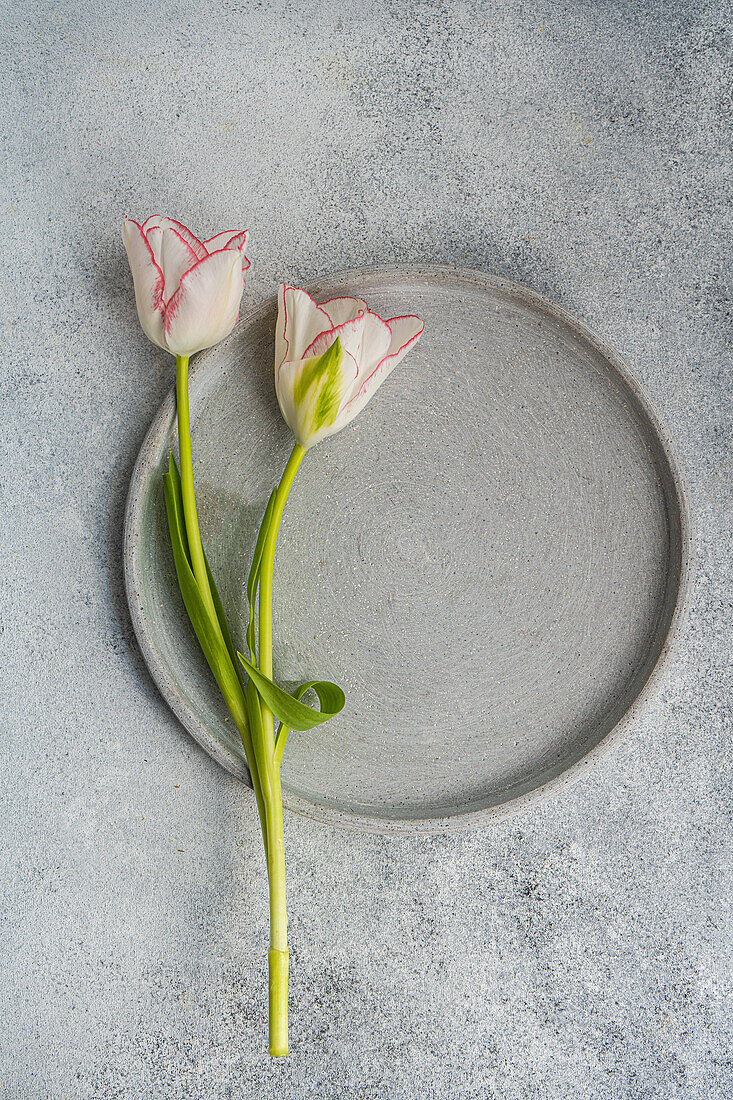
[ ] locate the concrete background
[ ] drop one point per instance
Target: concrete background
(582, 950)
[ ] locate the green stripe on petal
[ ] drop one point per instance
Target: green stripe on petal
(318, 389)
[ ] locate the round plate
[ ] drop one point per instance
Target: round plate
(491, 559)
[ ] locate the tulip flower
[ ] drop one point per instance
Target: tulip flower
(320, 394)
(187, 291)
(329, 360)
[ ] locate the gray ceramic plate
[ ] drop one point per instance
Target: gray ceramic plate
(492, 559)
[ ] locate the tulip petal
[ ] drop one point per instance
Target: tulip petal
(299, 321)
(343, 309)
(159, 222)
(377, 340)
(228, 239)
(311, 391)
(351, 335)
(176, 258)
(148, 282)
(239, 241)
(205, 307)
(406, 331)
(154, 237)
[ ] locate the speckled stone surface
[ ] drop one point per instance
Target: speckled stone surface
(582, 950)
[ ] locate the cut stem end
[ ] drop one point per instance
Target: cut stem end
(278, 984)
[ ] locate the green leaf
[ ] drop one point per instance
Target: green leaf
(291, 712)
(218, 606)
(208, 631)
(281, 737)
(254, 575)
(254, 717)
(176, 486)
(220, 614)
(213, 634)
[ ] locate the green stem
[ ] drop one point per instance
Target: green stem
(268, 560)
(231, 686)
(278, 954)
(189, 498)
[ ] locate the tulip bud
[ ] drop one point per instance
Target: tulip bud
(187, 291)
(319, 389)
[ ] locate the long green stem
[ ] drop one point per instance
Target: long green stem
(278, 954)
(195, 546)
(268, 559)
(230, 684)
(253, 718)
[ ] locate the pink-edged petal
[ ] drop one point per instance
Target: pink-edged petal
(173, 255)
(298, 415)
(239, 241)
(154, 237)
(157, 221)
(228, 239)
(343, 309)
(148, 282)
(205, 307)
(219, 241)
(377, 340)
(351, 334)
(299, 321)
(176, 258)
(406, 331)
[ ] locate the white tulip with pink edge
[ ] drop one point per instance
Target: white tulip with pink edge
(318, 394)
(187, 291)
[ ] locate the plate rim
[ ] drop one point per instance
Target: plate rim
(469, 819)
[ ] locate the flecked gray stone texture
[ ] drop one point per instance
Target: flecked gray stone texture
(581, 950)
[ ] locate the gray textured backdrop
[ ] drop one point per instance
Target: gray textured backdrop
(582, 950)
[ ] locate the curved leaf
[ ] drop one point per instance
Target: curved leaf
(208, 631)
(175, 487)
(281, 738)
(291, 712)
